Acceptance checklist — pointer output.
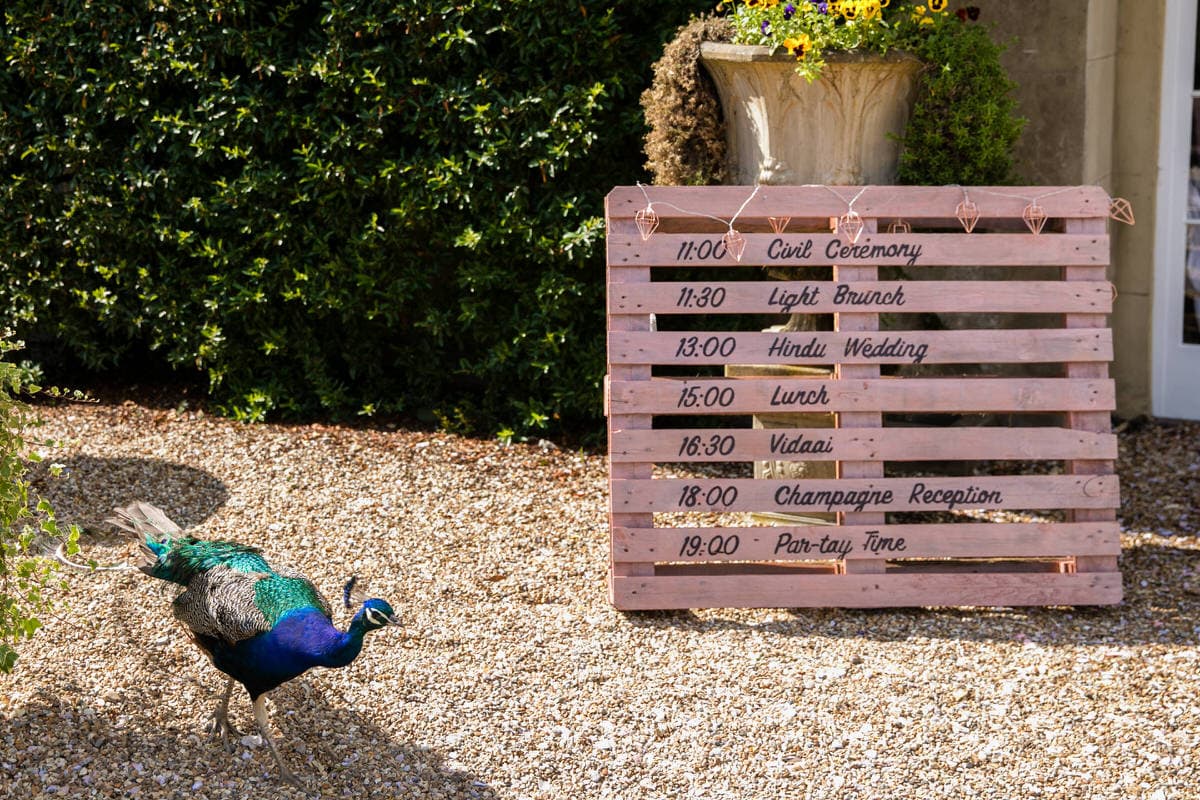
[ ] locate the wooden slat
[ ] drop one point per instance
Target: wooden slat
(628, 419)
(883, 249)
(820, 542)
(824, 297)
(866, 591)
(913, 203)
(954, 395)
(1092, 420)
(884, 444)
(863, 347)
(860, 328)
(866, 494)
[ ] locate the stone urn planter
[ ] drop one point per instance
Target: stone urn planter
(839, 130)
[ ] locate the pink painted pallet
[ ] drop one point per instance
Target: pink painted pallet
(975, 461)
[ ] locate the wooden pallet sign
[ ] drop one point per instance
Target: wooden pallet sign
(966, 385)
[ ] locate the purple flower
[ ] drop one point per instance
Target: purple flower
(822, 7)
(766, 27)
(788, 11)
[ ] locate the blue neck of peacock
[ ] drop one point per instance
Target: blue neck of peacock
(306, 637)
(344, 647)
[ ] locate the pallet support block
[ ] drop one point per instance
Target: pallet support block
(911, 529)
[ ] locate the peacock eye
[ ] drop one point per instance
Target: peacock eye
(375, 617)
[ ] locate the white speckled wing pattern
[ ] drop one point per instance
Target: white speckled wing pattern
(219, 602)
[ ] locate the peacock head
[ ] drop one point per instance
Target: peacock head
(377, 614)
(374, 614)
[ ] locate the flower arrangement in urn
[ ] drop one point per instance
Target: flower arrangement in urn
(963, 123)
(807, 29)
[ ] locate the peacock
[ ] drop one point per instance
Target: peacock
(260, 625)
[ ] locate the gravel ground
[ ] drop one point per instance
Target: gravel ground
(513, 677)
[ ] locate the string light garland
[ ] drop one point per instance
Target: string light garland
(1119, 208)
(735, 243)
(1033, 214)
(851, 223)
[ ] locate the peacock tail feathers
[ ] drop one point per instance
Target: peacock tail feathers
(171, 556)
(144, 520)
(179, 559)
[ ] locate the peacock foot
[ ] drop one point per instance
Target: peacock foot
(219, 727)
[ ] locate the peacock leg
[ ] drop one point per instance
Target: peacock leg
(264, 729)
(219, 724)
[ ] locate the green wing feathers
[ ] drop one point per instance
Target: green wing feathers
(233, 605)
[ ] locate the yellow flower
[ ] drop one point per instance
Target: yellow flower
(870, 9)
(938, 5)
(919, 12)
(799, 43)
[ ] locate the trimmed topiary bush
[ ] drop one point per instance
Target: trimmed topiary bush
(686, 141)
(327, 207)
(965, 125)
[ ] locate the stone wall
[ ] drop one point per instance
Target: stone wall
(1135, 174)
(1047, 50)
(1089, 83)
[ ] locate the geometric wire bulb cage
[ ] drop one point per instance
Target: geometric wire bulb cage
(647, 222)
(852, 225)
(1034, 216)
(968, 214)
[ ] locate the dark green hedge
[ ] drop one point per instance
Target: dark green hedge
(327, 207)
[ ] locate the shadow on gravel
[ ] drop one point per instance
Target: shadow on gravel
(117, 749)
(1161, 607)
(89, 487)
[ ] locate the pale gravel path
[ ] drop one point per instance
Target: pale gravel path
(514, 677)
